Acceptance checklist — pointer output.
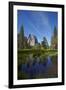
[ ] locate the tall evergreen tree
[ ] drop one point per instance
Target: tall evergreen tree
(55, 32)
(45, 43)
(54, 42)
(22, 31)
(21, 38)
(36, 40)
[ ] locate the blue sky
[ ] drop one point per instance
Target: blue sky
(39, 23)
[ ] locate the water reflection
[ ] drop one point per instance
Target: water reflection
(38, 67)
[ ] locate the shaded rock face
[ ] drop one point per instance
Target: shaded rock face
(31, 40)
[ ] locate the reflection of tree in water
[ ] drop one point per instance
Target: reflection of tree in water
(54, 59)
(38, 66)
(37, 58)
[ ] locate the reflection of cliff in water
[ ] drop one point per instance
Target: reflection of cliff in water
(38, 66)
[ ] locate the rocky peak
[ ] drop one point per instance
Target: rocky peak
(31, 40)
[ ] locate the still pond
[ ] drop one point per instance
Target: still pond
(36, 66)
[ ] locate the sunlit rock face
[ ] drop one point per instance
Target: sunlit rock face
(31, 40)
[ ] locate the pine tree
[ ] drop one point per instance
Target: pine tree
(45, 43)
(54, 38)
(21, 38)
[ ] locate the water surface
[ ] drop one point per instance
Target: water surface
(33, 66)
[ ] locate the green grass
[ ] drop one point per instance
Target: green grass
(28, 50)
(37, 51)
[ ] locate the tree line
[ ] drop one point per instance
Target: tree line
(22, 40)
